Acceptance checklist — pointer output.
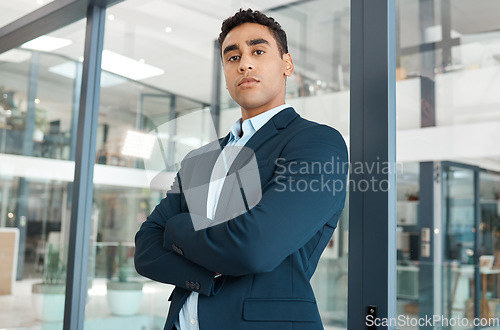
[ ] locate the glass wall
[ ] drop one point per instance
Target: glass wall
(448, 122)
(39, 97)
(170, 102)
(153, 110)
(156, 88)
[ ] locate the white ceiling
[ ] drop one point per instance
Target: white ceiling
(138, 32)
(186, 54)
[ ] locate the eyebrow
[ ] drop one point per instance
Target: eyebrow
(230, 48)
(257, 41)
(249, 43)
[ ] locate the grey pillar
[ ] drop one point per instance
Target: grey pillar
(426, 225)
(81, 210)
(372, 211)
(477, 220)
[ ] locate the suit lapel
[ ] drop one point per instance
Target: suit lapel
(265, 133)
(223, 142)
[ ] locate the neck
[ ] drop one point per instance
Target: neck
(249, 113)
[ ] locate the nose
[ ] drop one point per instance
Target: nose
(245, 64)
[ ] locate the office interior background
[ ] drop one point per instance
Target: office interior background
(160, 63)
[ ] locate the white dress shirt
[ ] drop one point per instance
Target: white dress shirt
(188, 316)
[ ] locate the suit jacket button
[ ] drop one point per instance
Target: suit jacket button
(177, 249)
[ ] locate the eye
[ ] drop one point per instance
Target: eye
(233, 58)
(259, 52)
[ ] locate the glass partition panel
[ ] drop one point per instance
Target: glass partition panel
(39, 97)
(448, 122)
(155, 91)
(172, 44)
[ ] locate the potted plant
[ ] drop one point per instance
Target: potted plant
(48, 296)
(124, 296)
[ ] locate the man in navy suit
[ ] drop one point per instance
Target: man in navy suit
(241, 230)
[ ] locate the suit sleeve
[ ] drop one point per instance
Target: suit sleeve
(153, 261)
(306, 192)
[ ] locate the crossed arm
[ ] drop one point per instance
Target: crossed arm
(163, 265)
(286, 217)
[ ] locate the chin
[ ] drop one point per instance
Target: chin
(250, 103)
(251, 107)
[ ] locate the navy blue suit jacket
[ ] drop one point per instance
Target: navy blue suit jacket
(268, 254)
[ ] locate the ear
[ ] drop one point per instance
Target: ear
(287, 58)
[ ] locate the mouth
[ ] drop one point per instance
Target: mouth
(247, 82)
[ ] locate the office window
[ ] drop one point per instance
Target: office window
(39, 97)
(155, 92)
(448, 122)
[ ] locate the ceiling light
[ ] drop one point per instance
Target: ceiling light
(46, 43)
(168, 29)
(138, 145)
(37, 101)
(68, 69)
(111, 17)
(128, 67)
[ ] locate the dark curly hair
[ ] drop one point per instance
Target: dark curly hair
(251, 16)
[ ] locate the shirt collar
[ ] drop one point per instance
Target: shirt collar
(252, 125)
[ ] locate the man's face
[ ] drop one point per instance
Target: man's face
(254, 70)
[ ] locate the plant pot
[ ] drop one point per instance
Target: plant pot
(38, 135)
(124, 298)
(48, 301)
